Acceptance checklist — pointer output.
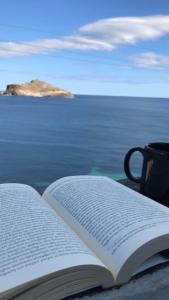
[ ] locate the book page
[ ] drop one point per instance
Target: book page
(114, 220)
(34, 240)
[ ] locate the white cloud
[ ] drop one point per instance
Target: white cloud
(106, 34)
(128, 30)
(151, 60)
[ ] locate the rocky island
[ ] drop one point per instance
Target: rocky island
(36, 88)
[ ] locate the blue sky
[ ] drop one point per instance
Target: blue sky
(105, 47)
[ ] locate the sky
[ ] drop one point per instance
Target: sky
(93, 47)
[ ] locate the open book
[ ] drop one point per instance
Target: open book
(83, 232)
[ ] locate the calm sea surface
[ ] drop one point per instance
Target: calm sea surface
(45, 139)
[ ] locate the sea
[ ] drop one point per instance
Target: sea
(44, 139)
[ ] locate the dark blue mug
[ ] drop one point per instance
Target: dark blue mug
(154, 179)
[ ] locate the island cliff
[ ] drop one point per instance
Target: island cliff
(36, 88)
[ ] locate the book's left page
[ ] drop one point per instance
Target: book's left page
(34, 240)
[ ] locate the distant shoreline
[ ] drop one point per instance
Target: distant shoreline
(95, 95)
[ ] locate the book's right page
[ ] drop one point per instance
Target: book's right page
(123, 227)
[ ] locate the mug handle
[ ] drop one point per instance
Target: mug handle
(127, 164)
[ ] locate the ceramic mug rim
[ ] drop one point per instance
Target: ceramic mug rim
(153, 147)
